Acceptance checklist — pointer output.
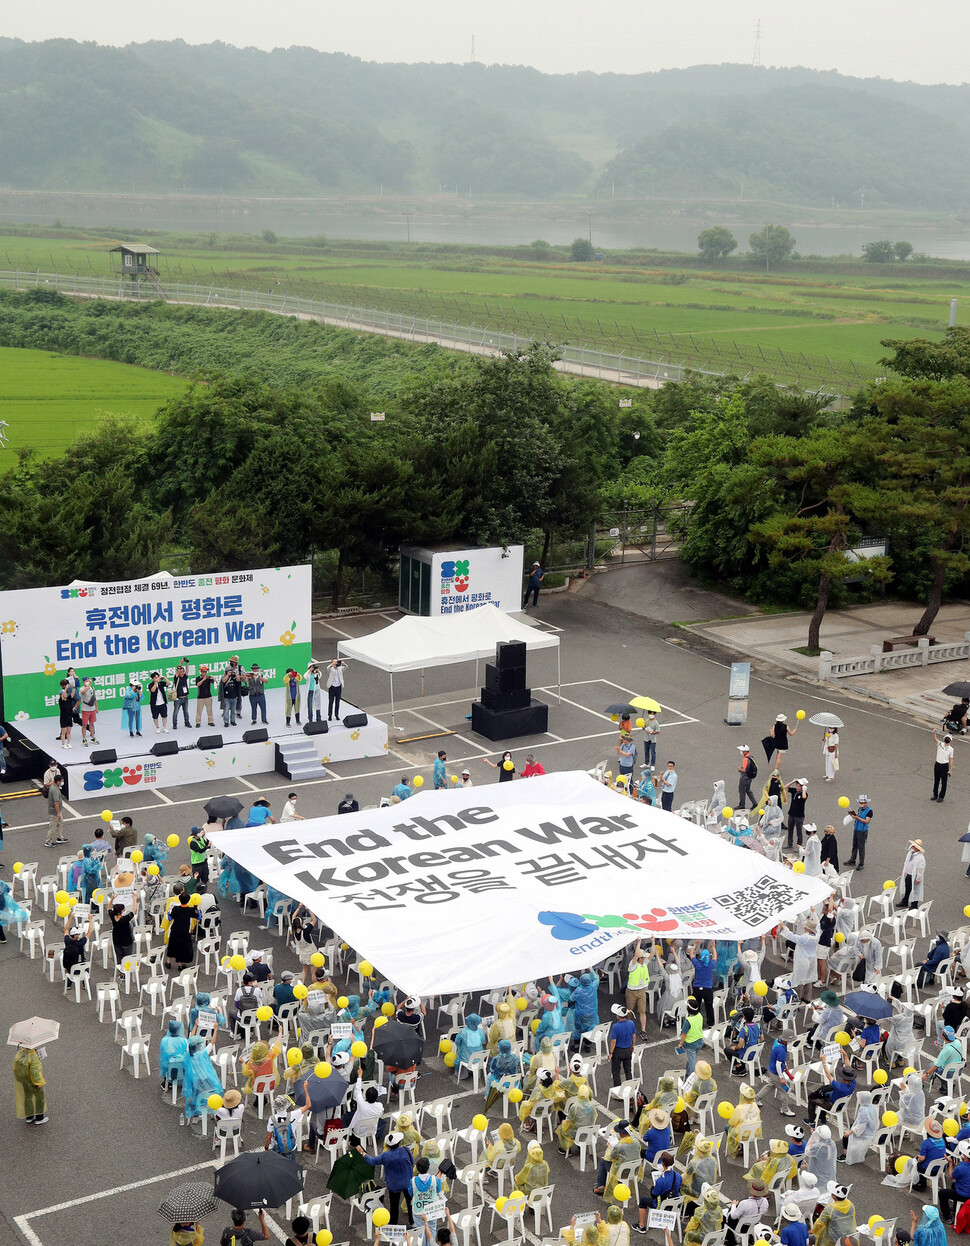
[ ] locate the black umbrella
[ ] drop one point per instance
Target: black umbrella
(869, 1005)
(398, 1044)
(959, 689)
(326, 1092)
(222, 807)
(188, 1203)
(621, 707)
(259, 1179)
(350, 1173)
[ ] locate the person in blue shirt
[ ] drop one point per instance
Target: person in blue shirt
(796, 1139)
(439, 777)
(623, 1033)
(398, 1164)
(932, 1147)
(939, 952)
(666, 1184)
(668, 785)
(401, 790)
(794, 1230)
(841, 1085)
(748, 1036)
(658, 1136)
(860, 831)
(958, 1187)
(703, 985)
(778, 1076)
(260, 814)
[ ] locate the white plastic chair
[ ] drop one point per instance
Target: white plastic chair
(542, 1114)
(137, 1052)
(27, 877)
(263, 1089)
(317, 1211)
(627, 1092)
(128, 1025)
(585, 1139)
(475, 1064)
(46, 887)
(540, 1200)
(225, 1060)
(467, 1222)
(108, 996)
(78, 976)
(224, 1133)
(439, 1110)
(34, 932)
(512, 1213)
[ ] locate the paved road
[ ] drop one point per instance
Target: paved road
(109, 1131)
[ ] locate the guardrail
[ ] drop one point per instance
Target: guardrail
(577, 360)
(924, 654)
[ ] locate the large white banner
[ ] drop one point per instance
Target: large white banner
(465, 579)
(478, 888)
(118, 631)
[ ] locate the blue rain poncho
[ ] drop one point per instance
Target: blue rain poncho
(585, 1003)
(89, 878)
(203, 1000)
(234, 879)
(471, 1038)
(930, 1230)
(504, 1064)
(550, 1019)
(201, 1079)
(153, 851)
(172, 1051)
(726, 951)
(11, 913)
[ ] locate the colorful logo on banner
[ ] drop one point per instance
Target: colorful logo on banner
(572, 926)
(121, 776)
(455, 576)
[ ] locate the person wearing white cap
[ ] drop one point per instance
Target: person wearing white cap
(914, 868)
(779, 733)
(747, 773)
(797, 799)
(794, 1230)
(861, 817)
(942, 767)
(536, 576)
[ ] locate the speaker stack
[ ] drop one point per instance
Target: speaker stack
(506, 709)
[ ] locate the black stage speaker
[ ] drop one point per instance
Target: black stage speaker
(255, 735)
(510, 655)
(532, 719)
(165, 748)
(501, 679)
(102, 756)
(209, 741)
(355, 720)
(316, 728)
(506, 700)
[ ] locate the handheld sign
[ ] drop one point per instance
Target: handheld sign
(341, 1029)
(661, 1219)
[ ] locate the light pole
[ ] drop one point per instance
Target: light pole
(767, 265)
(407, 218)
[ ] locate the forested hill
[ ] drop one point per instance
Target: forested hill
(168, 116)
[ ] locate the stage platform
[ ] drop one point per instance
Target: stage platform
(287, 750)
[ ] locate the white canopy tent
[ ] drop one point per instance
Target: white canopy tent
(414, 644)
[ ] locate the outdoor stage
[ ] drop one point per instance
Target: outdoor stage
(287, 750)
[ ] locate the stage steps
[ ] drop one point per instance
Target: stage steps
(296, 758)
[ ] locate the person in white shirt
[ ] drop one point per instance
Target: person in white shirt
(368, 1106)
(466, 779)
(289, 813)
(942, 767)
(207, 901)
(335, 687)
(232, 1107)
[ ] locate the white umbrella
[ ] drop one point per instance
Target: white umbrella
(826, 720)
(34, 1032)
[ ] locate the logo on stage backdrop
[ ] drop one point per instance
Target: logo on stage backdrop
(121, 776)
(455, 576)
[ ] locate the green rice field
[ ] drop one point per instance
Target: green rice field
(49, 400)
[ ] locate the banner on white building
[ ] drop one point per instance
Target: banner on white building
(478, 888)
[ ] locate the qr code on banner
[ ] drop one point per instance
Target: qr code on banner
(761, 901)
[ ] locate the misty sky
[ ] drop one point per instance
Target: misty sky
(925, 42)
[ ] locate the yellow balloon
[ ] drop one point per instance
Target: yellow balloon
(153, 869)
(264, 1012)
(874, 1220)
(72, 900)
(454, 779)
(379, 1021)
(901, 1163)
(214, 1102)
(907, 1070)
(345, 947)
(762, 1241)
(18, 866)
(195, 901)
(727, 812)
(480, 1122)
(138, 856)
(318, 960)
(966, 910)
(839, 937)
(358, 1050)
(237, 962)
(725, 1110)
(294, 1056)
(798, 867)
(951, 1127)
(844, 802)
(98, 896)
(324, 1237)
(381, 1217)
(500, 1203)
(962, 1110)
(889, 884)
(387, 1009)
(641, 722)
(366, 968)
(342, 1001)
(621, 1192)
(680, 1105)
(760, 988)
(173, 841)
(300, 991)
(508, 765)
(534, 1024)
(521, 1004)
(63, 910)
(515, 1095)
(450, 1059)
(842, 1038)
(799, 714)
(127, 966)
(445, 1046)
(322, 1069)
(61, 897)
(890, 1120)
(614, 718)
(880, 1231)
(106, 815)
(880, 1077)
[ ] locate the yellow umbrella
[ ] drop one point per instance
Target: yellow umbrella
(645, 703)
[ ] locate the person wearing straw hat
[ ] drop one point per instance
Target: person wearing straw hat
(658, 1137)
(911, 878)
(794, 1230)
(932, 1147)
(755, 1205)
(779, 734)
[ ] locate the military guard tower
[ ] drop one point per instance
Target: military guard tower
(138, 262)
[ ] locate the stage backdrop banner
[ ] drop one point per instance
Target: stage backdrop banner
(115, 632)
(483, 887)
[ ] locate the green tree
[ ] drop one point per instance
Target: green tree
(883, 252)
(581, 251)
(772, 244)
(920, 358)
(903, 251)
(716, 243)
